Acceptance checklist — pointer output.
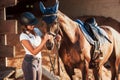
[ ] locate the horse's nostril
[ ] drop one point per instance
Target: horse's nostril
(49, 45)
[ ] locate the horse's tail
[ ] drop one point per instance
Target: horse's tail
(116, 43)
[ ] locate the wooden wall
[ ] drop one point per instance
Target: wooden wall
(7, 27)
(8, 40)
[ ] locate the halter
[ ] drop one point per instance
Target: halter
(48, 24)
(47, 15)
(56, 43)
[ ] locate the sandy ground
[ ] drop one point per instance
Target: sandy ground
(106, 73)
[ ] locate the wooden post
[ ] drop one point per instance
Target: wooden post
(6, 27)
(7, 51)
(49, 75)
(2, 14)
(9, 26)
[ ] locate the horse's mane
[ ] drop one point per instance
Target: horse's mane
(68, 25)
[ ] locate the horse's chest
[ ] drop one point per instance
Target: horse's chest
(70, 56)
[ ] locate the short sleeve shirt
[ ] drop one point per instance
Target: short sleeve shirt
(34, 40)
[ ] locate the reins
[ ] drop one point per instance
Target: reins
(56, 56)
(53, 59)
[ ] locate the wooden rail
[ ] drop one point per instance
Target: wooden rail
(49, 75)
(6, 73)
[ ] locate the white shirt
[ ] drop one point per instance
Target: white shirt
(34, 40)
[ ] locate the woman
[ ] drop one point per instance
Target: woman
(32, 43)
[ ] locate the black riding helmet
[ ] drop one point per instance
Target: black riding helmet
(28, 18)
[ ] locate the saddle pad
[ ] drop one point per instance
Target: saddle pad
(102, 34)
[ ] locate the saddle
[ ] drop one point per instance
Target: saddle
(91, 27)
(96, 37)
(94, 30)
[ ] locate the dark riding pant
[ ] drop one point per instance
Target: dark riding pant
(32, 68)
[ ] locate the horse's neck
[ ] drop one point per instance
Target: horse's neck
(73, 32)
(69, 26)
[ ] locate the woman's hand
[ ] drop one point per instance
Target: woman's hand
(46, 37)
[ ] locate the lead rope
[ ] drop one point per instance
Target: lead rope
(58, 61)
(56, 55)
(52, 62)
(53, 59)
(58, 46)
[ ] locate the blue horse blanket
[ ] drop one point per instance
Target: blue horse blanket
(103, 37)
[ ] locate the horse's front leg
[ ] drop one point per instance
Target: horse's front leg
(84, 69)
(87, 76)
(97, 73)
(70, 71)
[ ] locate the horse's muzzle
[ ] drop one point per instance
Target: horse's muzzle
(49, 45)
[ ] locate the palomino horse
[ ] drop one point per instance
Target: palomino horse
(75, 49)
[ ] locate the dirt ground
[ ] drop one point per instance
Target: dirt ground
(106, 73)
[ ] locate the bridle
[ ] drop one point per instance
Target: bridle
(55, 21)
(54, 34)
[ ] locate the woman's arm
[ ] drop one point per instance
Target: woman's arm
(34, 51)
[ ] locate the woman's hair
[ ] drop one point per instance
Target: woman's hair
(24, 28)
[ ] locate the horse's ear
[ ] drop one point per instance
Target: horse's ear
(55, 7)
(42, 7)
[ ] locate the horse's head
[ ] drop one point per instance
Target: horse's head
(57, 22)
(50, 19)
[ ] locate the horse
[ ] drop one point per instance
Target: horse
(75, 50)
